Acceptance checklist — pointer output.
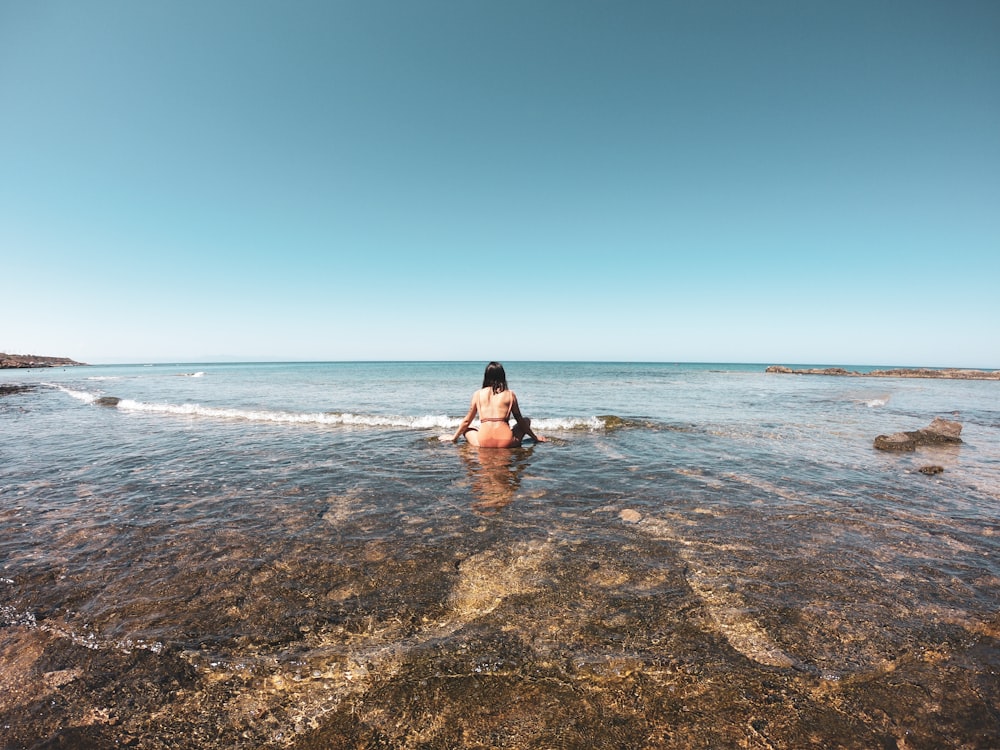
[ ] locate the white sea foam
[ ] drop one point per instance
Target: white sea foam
(87, 398)
(286, 417)
(875, 402)
(341, 419)
(105, 377)
(556, 424)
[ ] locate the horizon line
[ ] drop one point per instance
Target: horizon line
(275, 361)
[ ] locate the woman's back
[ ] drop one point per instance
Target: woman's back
(495, 406)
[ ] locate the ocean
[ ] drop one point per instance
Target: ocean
(285, 555)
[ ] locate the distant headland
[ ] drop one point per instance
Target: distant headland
(915, 372)
(23, 361)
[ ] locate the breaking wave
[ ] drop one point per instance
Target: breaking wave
(341, 419)
(289, 417)
(87, 398)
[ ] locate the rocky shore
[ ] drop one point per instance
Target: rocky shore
(24, 361)
(917, 372)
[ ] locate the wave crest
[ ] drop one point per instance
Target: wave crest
(341, 419)
(602, 423)
(87, 398)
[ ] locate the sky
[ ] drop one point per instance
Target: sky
(775, 181)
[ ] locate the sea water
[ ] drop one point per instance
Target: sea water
(286, 555)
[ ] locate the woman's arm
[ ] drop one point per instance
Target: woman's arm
(464, 427)
(525, 424)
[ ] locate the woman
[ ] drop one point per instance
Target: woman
(495, 406)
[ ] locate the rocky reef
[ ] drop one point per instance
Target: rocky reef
(7, 389)
(938, 432)
(24, 361)
(915, 372)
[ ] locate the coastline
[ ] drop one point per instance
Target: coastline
(946, 373)
(27, 361)
(33, 361)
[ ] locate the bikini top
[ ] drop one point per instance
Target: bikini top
(510, 409)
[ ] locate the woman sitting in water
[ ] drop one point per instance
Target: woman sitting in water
(495, 406)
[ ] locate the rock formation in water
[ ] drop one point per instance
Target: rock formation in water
(10, 388)
(938, 432)
(916, 372)
(12, 361)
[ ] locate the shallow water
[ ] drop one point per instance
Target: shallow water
(286, 556)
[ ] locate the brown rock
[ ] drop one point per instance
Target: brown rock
(782, 370)
(930, 470)
(945, 430)
(899, 441)
(938, 432)
(107, 401)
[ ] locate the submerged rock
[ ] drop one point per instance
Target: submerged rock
(938, 432)
(931, 470)
(107, 401)
(899, 441)
(8, 389)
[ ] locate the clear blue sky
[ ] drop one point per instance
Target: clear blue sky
(703, 181)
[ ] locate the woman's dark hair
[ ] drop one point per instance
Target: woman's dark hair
(495, 377)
